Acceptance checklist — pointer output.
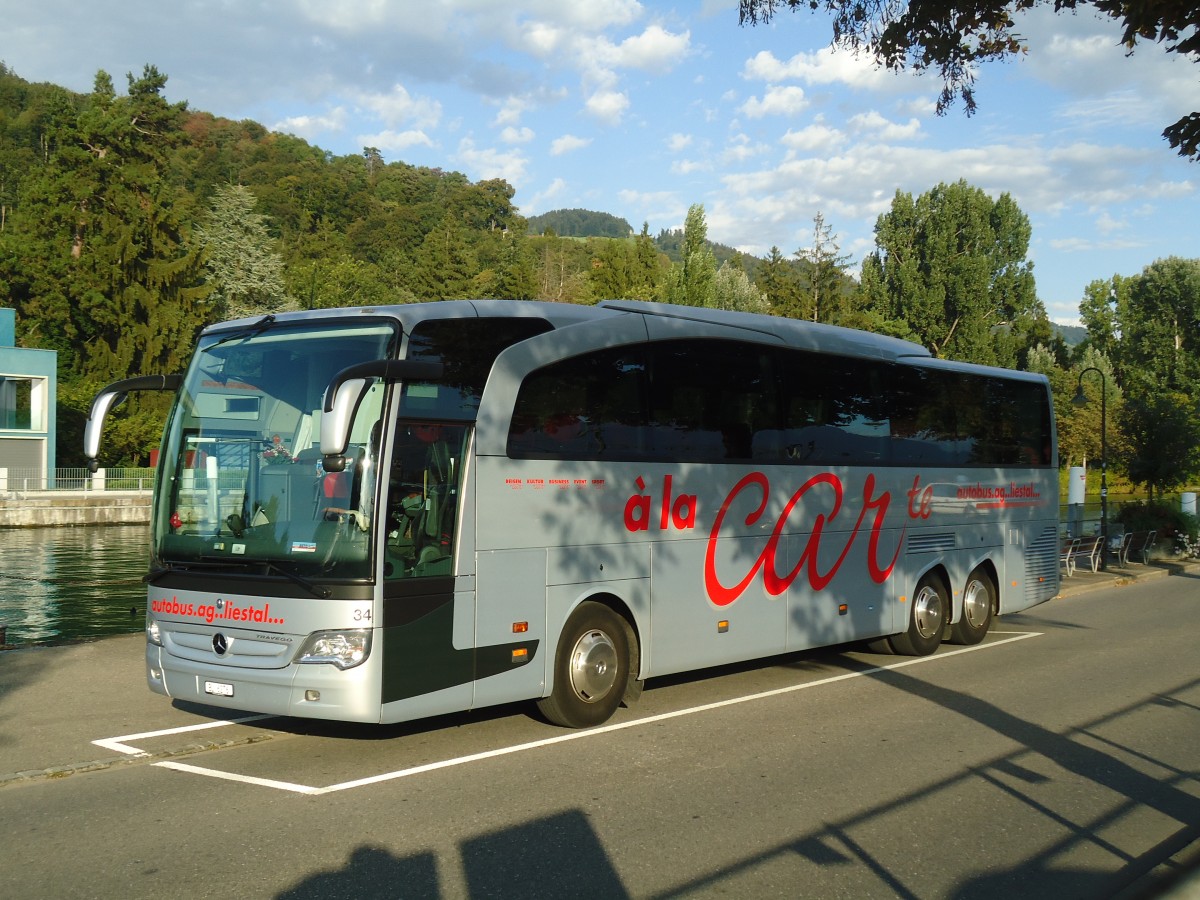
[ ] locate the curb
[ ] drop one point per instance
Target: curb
(112, 762)
(1085, 582)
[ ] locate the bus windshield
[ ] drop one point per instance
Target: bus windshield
(242, 482)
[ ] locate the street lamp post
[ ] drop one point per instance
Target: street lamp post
(1081, 400)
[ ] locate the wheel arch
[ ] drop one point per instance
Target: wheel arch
(633, 688)
(987, 565)
(936, 568)
(624, 611)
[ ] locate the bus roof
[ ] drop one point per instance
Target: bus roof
(792, 332)
(796, 333)
(409, 314)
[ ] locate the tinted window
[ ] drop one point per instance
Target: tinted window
(587, 406)
(708, 398)
(467, 348)
(834, 410)
(711, 400)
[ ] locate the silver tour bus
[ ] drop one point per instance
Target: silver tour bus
(376, 515)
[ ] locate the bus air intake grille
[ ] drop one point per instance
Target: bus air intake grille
(1041, 566)
(931, 543)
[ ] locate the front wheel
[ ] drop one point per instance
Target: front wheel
(591, 667)
(930, 608)
(979, 598)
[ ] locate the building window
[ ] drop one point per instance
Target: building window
(23, 403)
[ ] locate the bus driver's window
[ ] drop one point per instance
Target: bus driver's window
(422, 497)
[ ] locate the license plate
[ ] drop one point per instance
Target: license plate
(219, 688)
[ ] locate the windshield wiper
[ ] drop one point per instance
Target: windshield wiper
(248, 332)
(229, 565)
(158, 572)
(323, 593)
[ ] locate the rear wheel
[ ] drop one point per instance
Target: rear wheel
(930, 609)
(591, 667)
(979, 598)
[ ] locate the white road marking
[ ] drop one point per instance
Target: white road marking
(116, 743)
(245, 779)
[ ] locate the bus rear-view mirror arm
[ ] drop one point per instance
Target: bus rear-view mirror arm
(346, 391)
(109, 398)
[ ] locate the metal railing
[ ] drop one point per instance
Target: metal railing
(27, 480)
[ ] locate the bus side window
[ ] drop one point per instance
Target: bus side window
(581, 407)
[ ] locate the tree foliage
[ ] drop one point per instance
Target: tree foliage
(950, 268)
(693, 281)
(1163, 429)
(824, 275)
(954, 38)
(579, 223)
(245, 273)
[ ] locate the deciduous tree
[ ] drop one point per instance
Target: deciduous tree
(951, 266)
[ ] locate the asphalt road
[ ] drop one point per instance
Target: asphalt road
(1059, 759)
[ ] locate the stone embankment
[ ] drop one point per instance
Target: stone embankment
(39, 509)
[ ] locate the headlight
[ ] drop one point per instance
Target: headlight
(344, 649)
(152, 634)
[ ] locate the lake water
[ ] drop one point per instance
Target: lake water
(85, 581)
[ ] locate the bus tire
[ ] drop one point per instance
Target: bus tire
(979, 599)
(591, 668)
(929, 610)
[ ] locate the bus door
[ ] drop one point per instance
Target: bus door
(428, 618)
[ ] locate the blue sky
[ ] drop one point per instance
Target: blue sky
(641, 109)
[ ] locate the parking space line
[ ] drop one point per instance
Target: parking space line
(118, 745)
(244, 779)
(309, 790)
(661, 717)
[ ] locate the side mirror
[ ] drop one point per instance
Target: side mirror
(337, 418)
(111, 397)
(346, 392)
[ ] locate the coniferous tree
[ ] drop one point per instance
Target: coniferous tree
(245, 274)
(825, 279)
(776, 277)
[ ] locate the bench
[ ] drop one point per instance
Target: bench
(1118, 547)
(1138, 546)
(1066, 556)
(1088, 551)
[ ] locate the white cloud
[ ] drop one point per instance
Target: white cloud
(815, 138)
(656, 206)
(511, 110)
(824, 67)
(654, 49)
(608, 106)
(777, 101)
(741, 148)
(488, 162)
(677, 142)
(540, 201)
(310, 126)
(688, 166)
(400, 107)
(567, 144)
(512, 135)
(879, 127)
(396, 141)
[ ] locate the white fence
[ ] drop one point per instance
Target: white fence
(21, 480)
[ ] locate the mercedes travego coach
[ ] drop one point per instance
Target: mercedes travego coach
(379, 514)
